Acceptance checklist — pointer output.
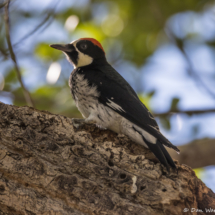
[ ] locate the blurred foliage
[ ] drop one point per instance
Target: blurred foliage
(165, 121)
(200, 172)
(174, 105)
(47, 54)
(145, 98)
(130, 31)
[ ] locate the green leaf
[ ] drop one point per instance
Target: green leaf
(165, 122)
(174, 104)
(145, 98)
(200, 172)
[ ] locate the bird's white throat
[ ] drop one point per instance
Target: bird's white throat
(83, 59)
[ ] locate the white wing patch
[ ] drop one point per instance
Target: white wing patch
(156, 128)
(115, 106)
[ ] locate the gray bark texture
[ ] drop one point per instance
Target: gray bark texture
(48, 167)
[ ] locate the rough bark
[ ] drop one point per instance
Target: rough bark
(199, 153)
(48, 167)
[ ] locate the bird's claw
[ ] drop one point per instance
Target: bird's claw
(77, 123)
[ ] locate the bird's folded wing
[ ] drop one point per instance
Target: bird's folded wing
(117, 94)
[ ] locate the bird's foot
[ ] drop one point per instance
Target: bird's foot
(101, 127)
(77, 123)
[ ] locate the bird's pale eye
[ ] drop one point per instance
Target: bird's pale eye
(83, 46)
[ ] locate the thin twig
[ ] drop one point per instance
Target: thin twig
(4, 52)
(158, 15)
(13, 57)
(195, 75)
(2, 5)
(179, 44)
(34, 30)
(190, 112)
(50, 14)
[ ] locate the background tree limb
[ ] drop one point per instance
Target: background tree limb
(179, 43)
(47, 166)
(13, 57)
(49, 17)
(188, 112)
(197, 154)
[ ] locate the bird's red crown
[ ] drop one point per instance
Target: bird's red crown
(95, 42)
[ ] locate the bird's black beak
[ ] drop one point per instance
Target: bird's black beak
(61, 47)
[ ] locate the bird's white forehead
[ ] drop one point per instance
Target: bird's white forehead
(74, 42)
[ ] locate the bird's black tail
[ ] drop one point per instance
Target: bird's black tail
(161, 153)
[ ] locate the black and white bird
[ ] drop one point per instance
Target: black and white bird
(105, 98)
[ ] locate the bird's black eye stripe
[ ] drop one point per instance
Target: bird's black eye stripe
(83, 46)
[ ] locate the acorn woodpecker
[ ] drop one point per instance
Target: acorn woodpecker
(105, 98)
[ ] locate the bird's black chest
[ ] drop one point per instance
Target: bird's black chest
(78, 84)
(73, 83)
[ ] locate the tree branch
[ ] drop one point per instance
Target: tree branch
(195, 75)
(4, 52)
(49, 14)
(2, 5)
(180, 45)
(189, 112)
(48, 166)
(13, 57)
(197, 154)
